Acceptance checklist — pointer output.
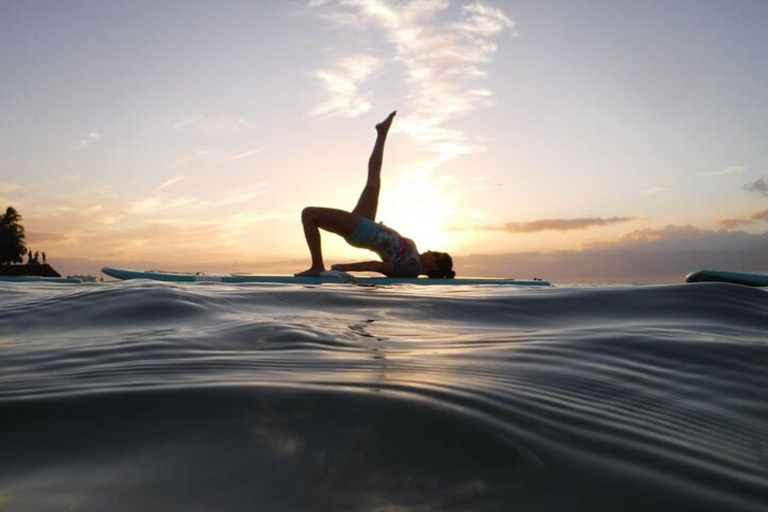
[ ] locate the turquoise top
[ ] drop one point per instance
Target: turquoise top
(390, 245)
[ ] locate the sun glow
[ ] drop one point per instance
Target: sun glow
(419, 210)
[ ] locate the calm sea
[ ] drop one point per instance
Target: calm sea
(149, 396)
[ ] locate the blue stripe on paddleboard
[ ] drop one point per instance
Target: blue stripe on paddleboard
(39, 279)
(234, 278)
(727, 277)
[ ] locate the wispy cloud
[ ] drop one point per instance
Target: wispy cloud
(648, 235)
(188, 159)
(656, 190)
(342, 84)
(536, 226)
(724, 171)
(92, 137)
(168, 204)
(161, 204)
(442, 60)
(759, 186)
(34, 238)
(9, 187)
(745, 220)
(244, 154)
(72, 216)
(105, 224)
(213, 126)
(183, 123)
(243, 195)
(171, 181)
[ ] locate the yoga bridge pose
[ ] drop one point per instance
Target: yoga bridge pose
(358, 227)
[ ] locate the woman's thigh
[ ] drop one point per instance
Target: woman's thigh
(340, 222)
(368, 202)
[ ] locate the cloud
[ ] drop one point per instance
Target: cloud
(164, 203)
(442, 61)
(163, 239)
(244, 154)
(342, 84)
(644, 256)
(66, 221)
(215, 127)
(171, 181)
(92, 137)
(161, 204)
(47, 238)
(759, 186)
(484, 20)
(165, 227)
(241, 196)
(183, 123)
(746, 219)
(536, 226)
(725, 171)
(188, 159)
(9, 187)
(656, 190)
(652, 235)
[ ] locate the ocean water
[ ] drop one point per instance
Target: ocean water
(155, 396)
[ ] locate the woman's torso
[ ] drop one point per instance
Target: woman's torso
(391, 247)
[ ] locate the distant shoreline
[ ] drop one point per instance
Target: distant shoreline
(41, 270)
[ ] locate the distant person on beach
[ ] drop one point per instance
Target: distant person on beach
(44, 262)
(358, 227)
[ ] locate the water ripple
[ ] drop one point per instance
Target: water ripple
(640, 388)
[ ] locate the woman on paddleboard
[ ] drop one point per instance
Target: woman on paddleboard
(399, 257)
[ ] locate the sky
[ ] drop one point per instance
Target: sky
(590, 141)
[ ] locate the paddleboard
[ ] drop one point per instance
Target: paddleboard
(39, 279)
(727, 277)
(181, 277)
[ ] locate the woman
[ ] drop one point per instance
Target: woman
(398, 254)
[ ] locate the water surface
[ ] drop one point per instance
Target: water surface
(158, 396)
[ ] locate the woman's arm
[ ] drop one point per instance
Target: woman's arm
(366, 266)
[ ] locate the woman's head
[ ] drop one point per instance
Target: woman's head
(437, 265)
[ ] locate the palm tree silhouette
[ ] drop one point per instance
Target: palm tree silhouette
(12, 246)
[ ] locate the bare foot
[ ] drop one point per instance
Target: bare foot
(310, 272)
(385, 124)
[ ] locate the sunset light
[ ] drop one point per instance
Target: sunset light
(519, 134)
(383, 255)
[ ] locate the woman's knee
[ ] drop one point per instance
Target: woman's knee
(309, 214)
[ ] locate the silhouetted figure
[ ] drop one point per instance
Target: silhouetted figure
(44, 262)
(29, 258)
(36, 259)
(358, 227)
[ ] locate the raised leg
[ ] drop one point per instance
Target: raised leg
(336, 221)
(369, 198)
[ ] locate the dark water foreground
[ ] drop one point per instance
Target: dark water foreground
(148, 396)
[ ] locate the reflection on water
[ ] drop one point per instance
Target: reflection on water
(147, 396)
(308, 450)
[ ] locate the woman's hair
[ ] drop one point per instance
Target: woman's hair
(444, 268)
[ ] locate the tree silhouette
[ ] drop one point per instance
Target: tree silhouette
(12, 245)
